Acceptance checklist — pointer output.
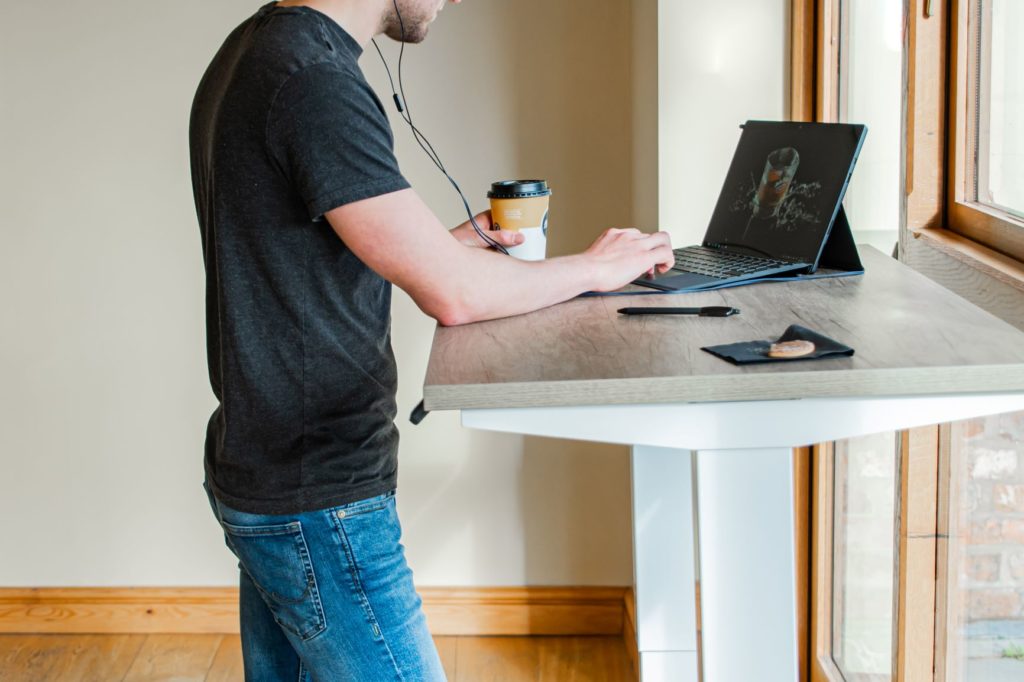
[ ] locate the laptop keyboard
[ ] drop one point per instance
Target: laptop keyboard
(722, 264)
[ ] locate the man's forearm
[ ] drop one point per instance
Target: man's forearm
(401, 239)
(486, 285)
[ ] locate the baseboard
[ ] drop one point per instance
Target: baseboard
(629, 629)
(449, 610)
(105, 610)
(524, 610)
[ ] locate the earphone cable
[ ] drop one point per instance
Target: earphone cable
(434, 157)
(417, 134)
(403, 110)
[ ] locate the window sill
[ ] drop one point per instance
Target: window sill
(972, 254)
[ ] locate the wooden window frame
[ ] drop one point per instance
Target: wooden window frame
(963, 245)
(822, 666)
(920, 506)
(988, 226)
(959, 244)
(947, 233)
(967, 247)
(919, 503)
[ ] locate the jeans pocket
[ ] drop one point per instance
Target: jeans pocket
(370, 504)
(277, 559)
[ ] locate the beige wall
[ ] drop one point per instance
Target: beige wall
(105, 395)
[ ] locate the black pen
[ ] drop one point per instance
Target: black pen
(707, 311)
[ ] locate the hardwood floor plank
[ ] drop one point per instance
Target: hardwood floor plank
(81, 658)
(177, 658)
(10, 645)
(28, 658)
(496, 659)
(447, 648)
(217, 658)
(96, 658)
(227, 663)
(582, 659)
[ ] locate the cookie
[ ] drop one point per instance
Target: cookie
(790, 349)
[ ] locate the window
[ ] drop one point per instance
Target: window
(998, 107)
(935, 590)
(984, 564)
(863, 65)
(859, 66)
(863, 563)
(981, 174)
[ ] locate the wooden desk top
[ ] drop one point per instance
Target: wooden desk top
(911, 336)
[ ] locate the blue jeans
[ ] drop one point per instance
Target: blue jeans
(328, 596)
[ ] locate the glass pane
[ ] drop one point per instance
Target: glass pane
(863, 565)
(1000, 124)
(871, 84)
(985, 631)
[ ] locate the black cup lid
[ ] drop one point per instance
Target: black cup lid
(519, 189)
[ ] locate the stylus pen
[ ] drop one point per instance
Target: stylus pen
(707, 311)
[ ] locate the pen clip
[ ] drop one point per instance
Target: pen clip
(718, 311)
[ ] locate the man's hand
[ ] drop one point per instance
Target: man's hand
(621, 255)
(468, 236)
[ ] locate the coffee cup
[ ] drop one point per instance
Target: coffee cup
(522, 206)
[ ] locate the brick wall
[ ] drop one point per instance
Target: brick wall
(988, 463)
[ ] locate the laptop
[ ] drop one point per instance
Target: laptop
(779, 206)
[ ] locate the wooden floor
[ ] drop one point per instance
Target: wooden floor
(187, 658)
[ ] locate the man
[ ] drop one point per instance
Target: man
(306, 221)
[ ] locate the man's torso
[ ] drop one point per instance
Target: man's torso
(298, 328)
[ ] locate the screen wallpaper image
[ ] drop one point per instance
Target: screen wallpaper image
(783, 187)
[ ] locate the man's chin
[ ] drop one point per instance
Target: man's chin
(412, 36)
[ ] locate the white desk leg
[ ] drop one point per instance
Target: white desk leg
(664, 564)
(747, 565)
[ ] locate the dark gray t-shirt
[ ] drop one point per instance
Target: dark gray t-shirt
(284, 127)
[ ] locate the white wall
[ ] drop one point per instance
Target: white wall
(105, 396)
(720, 64)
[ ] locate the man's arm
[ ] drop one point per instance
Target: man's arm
(399, 237)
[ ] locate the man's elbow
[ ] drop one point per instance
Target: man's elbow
(451, 311)
(452, 319)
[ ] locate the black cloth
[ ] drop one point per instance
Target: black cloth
(284, 127)
(754, 352)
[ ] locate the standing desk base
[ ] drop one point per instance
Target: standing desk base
(742, 510)
(740, 513)
(668, 666)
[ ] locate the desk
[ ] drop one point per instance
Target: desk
(711, 462)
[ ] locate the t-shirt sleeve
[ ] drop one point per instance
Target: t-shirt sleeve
(328, 134)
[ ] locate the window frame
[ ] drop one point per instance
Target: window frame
(964, 247)
(939, 231)
(919, 620)
(986, 225)
(823, 667)
(959, 244)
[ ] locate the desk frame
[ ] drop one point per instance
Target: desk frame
(713, 499)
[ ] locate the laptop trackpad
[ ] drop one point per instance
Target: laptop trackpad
(676, 279)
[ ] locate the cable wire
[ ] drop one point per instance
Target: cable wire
(406, 114)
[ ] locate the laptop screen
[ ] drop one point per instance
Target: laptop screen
(784, 188)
